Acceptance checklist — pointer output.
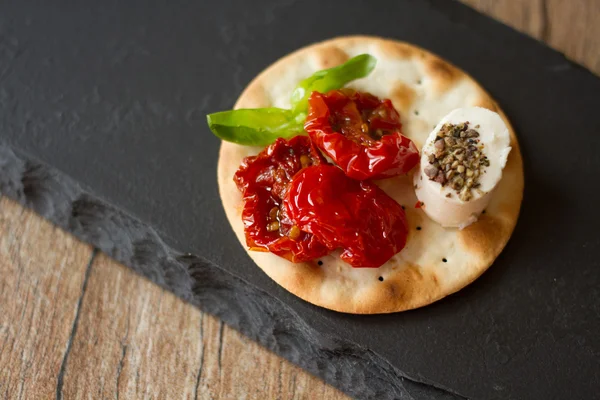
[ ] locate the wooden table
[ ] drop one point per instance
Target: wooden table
(74, 323)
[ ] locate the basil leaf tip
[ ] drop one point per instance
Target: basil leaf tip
(254, 127)
(333, 78)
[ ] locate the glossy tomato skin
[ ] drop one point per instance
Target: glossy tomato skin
(361, 133)
(340, 212)
(264, 180)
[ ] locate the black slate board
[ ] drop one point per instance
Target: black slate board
(103, 103)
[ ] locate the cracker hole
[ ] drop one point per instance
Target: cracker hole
(483, 212)
(418, 228)
(381, 279)
(320, 262)
(416, 112)
(419, 81)
(404, 208)
(444, 260)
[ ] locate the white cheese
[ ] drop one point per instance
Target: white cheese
(441, 203)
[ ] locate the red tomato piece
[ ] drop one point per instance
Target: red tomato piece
(356, 216)
(264, 180)
(361, 133)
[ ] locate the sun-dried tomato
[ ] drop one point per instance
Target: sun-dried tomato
(361, 133)
(356, 216)
(264, 180)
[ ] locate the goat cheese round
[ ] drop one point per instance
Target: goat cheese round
(461, 164)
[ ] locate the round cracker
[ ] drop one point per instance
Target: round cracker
(436, 261)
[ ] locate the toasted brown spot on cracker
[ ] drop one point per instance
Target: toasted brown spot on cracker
(393, 290)
(415, 272)
(410, 286)
(402, 96)
(396, 50)
(486, 102)
(410, 273)
(442, 73)
(306, 275)
(486, 237)
(330, 56)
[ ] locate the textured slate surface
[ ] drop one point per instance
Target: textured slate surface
(114, 96)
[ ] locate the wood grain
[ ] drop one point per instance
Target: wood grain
(133, 340)
(42, 274)
(243, 368)
(76, 324)
(571, 27)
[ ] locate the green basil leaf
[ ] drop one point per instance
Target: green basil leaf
(330, 79)
(256, 126)
(261, 126)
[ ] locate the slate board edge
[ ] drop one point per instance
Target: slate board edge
(58, 198)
